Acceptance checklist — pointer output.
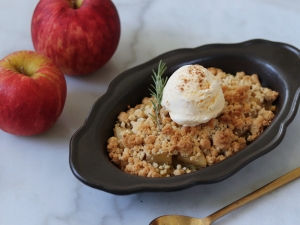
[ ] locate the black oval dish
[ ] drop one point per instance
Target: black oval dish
(278, 67)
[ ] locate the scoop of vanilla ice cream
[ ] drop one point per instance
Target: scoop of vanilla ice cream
(193, 96)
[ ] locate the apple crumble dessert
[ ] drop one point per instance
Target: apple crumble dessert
(141, 147)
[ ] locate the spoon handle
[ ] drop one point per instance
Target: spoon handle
(279, 182)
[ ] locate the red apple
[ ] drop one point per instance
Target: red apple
(80, 36)
(32, 93)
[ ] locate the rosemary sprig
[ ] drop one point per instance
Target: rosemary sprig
(157, 90)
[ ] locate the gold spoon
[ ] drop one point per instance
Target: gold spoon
(186, 220)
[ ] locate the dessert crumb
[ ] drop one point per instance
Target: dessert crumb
(139, 147)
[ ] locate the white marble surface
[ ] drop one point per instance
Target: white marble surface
(37, 186)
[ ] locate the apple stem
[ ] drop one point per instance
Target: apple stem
(22, 69)
(74, 4)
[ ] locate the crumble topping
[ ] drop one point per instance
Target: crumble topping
(140, 147)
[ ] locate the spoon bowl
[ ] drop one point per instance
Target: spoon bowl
(180, 220)
(186, 220)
